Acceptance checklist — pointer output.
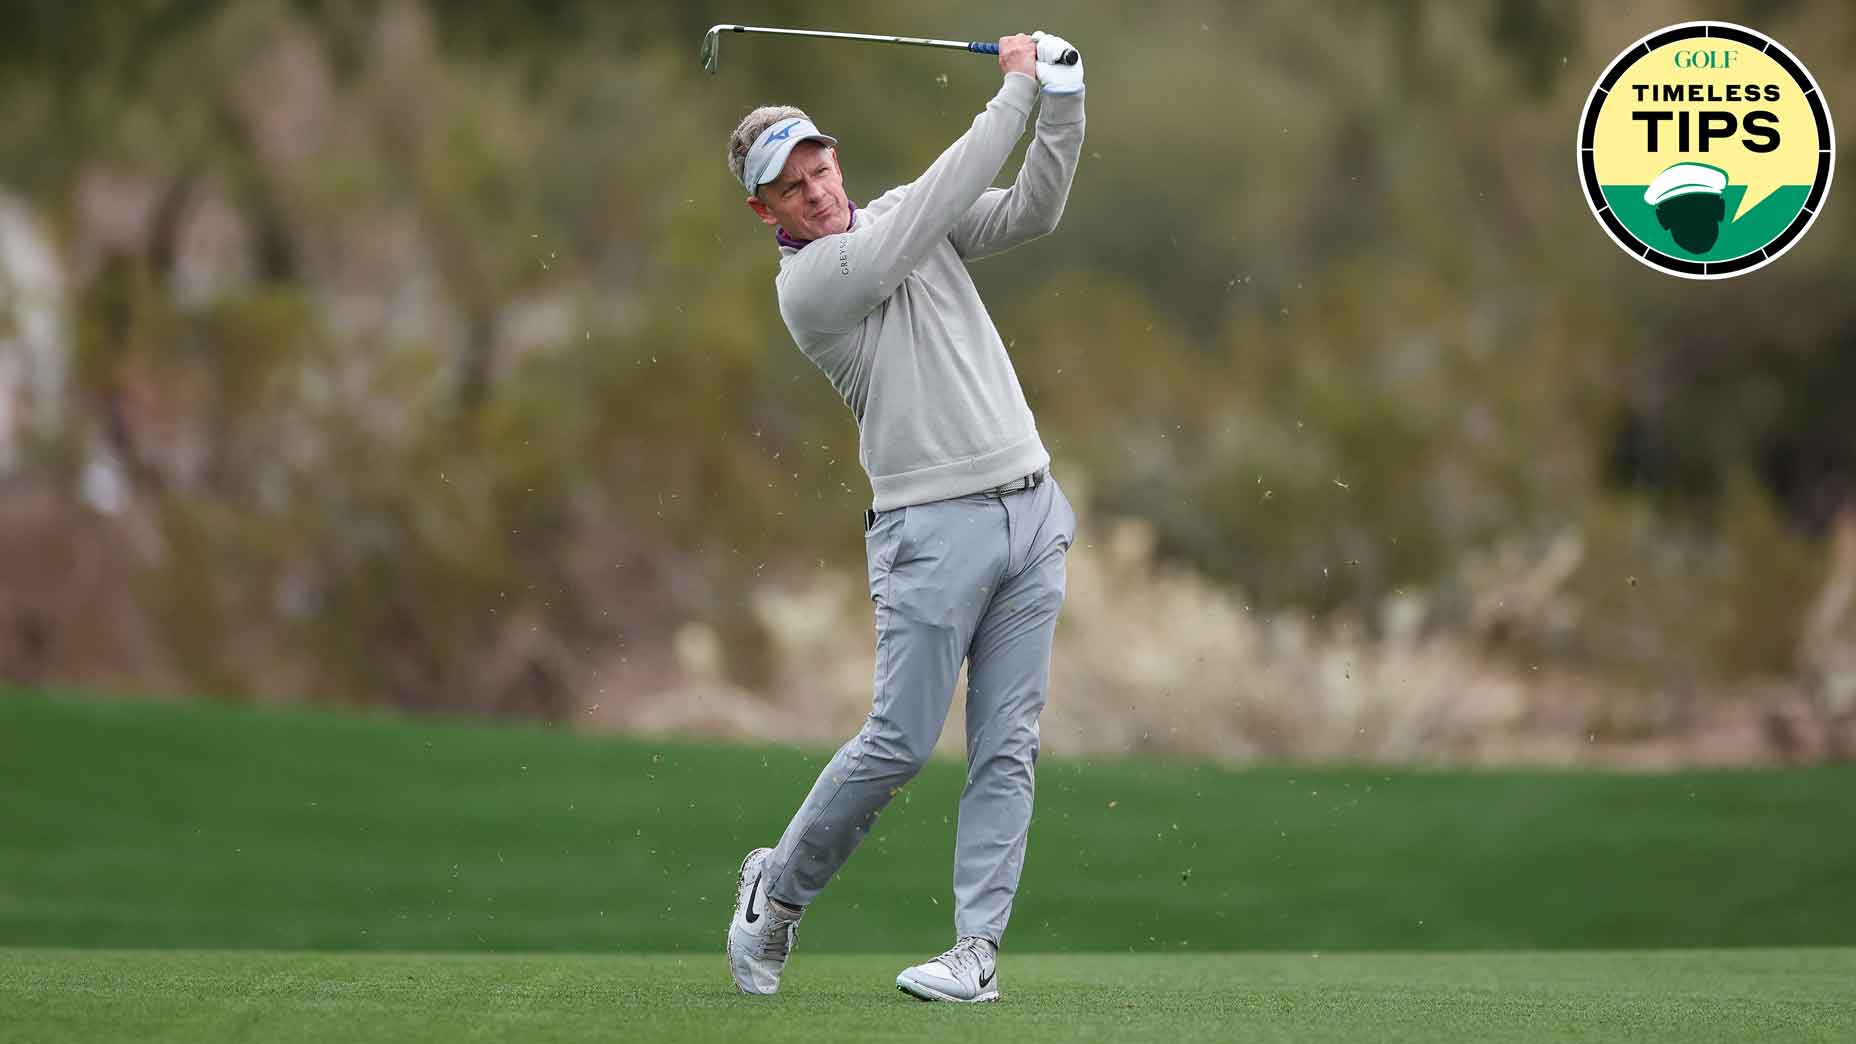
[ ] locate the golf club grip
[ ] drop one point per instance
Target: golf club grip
(1069, 57)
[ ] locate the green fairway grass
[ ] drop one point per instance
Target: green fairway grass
(142, 824)
(59, 996)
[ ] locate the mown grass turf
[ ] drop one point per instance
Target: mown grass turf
(193, 825)
(58, 996)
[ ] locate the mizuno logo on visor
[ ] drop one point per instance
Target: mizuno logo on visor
(783, 132)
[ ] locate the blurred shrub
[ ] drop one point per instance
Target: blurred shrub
(441, 361)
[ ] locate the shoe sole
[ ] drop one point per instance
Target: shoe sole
(928, 993)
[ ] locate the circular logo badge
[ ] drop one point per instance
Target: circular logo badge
(1706, 150)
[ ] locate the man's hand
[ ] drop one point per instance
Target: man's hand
(1056, 78)
(1018, 54)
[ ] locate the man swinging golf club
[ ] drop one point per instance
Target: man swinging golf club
(967, 532)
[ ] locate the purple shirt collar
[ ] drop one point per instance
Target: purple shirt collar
(780, 236)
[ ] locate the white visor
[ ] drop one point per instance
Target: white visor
(1685, 179)
(768, 156)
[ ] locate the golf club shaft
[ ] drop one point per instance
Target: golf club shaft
(914, 41)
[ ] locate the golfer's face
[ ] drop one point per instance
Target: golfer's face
(807, 199)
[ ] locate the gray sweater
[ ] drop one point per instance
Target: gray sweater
(889, 313)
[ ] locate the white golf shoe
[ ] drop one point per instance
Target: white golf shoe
(761, 934)
(966, 974)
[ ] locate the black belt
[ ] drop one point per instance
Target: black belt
(1018, 485)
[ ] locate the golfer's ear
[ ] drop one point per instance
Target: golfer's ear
(760, 210)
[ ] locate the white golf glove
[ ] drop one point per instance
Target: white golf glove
(1057, 79)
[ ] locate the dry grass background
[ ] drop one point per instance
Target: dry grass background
(1152, 658)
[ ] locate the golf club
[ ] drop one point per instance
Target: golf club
(712, 42)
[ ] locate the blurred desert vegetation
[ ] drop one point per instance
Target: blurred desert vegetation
(424, 355)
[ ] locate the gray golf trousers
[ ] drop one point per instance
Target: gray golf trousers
(977, 578)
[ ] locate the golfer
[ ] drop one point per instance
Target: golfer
(967, 532)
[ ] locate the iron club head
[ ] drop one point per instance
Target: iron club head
(712, 49)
